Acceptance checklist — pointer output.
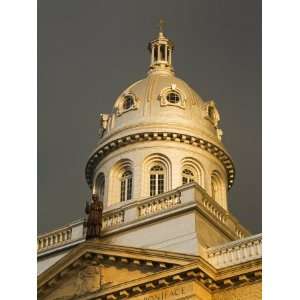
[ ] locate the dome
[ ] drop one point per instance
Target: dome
(157, 111)
(152, 108)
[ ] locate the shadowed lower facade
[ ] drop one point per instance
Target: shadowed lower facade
(160, 178)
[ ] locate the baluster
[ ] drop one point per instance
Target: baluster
(229, 256)
(250, 249)
(258, 247)
(243, 251)
(224, 256)
(159, 205)
(218, 258)
(237, 254)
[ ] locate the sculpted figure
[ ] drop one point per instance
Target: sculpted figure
(94, 221)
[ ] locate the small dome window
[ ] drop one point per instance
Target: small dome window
(128, 102)
(173, 97)
(211, 112)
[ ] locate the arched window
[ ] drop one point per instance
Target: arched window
(187, 176)
(128, 102)
(157, 180)
(214, 189)
(126, 186)
(173, 97)
(99, 187)
(218, 190)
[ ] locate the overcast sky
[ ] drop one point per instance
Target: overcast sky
(90, 51)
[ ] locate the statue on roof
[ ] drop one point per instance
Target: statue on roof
(94, 222)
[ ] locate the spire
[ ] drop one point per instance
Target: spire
(161, 26)
(161, 51)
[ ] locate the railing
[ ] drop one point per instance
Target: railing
(235, 252)
(54, 239)
(189, 195)
(219, 213)
(214, 209)
(159, 204)
(113, 219)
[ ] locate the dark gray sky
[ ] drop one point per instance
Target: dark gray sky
(89, 51)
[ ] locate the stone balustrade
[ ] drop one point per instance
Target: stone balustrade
(216, 210)
(189, 196)
(235, 252)
(158, 204)
(54, 239)
(112, 219)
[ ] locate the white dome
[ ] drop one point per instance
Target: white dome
(156, 112)
(152, 110)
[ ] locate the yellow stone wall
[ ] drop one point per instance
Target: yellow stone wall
(246, 292)
(187, 290)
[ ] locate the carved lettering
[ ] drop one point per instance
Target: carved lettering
(169, 293)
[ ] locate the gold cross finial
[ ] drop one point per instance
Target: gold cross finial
(161, 25)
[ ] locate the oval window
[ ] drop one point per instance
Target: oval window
(173, 97)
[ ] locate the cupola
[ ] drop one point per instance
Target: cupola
(161, 50)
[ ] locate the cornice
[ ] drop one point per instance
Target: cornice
(205, 145)
(197, 270)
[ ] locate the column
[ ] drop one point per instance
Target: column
(166, 53)
(152, 55)
(170, 56)
(158, 54)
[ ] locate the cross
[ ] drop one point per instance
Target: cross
(161, 25)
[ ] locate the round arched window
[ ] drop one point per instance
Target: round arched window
(126, 186)
(173, 97)
(128, 102)
(157, 180)
(187, 176)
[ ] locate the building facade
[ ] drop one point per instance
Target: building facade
(163, 175)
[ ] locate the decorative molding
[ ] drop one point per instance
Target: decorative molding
(113, 219)
(169, 278)
(211, 113)
(109, 147)
(119, 106)
(173, 88)
(235, 252)
(154, 206)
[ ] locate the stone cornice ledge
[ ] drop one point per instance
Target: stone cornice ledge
(205, 145)
(196, 269)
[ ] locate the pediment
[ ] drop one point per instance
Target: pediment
(93, 266)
